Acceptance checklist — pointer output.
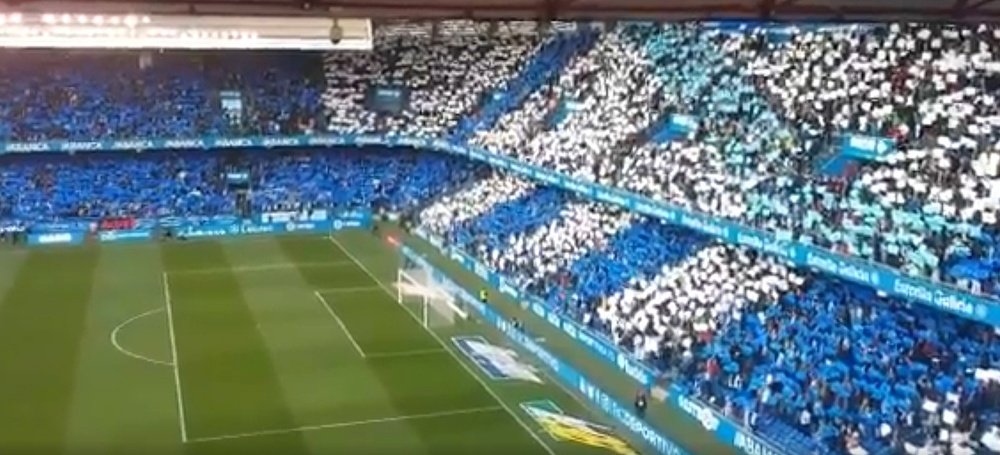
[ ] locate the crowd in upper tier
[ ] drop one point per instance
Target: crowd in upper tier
(877, 141)
(443, 72)
(771, 112)
(90, 95)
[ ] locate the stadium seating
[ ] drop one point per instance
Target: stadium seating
(771, 117)
(444, 72)
(611, 99)
(778, 134)
(928, 206)
(836, 362)
(769, 346)
(81, 96)
(49, 188)
(545, 65)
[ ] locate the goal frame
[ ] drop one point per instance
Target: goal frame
(404, 279)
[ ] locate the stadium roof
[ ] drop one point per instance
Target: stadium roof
(780, 10)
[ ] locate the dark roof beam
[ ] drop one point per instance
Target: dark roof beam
(766, 9)
(979, 4)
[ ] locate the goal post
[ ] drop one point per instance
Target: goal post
(419, 291)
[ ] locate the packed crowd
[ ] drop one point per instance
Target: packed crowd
(47, 188)
(611, 98)
(770, 111)
(853, 372)
(444, 71)
(766, 113)
(814, 365)
(930, 88)
(91, 96)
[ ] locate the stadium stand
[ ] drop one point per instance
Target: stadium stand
(89, 96)
(834, 368)
(761, 151)
(930, 88)
(52, 188)
(814, 365)
(609, 98)
(444, 71)
(778, 131)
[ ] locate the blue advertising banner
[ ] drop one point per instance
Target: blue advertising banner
(125, 236)
(237, 178)
(885, 279)
(560, 369)
(9, 228)
(724, 429)
(683, 124)
(194, 231)
(866, 148)
(206, 228)
(81, 225)
(56, 238)
(383, 98)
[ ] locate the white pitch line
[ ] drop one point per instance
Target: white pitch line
(340, 322)
(173, 354)
(475, 376)
(414, 353)
(260, 268)
(350, 289)
(118, 346)
(355, 423)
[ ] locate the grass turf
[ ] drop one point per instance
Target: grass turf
(287, 345)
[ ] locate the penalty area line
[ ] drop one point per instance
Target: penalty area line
(354, 423)
(413, 353)
(350, 290)
(261, 267)
(340, 322)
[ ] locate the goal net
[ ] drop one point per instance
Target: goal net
(419, 291)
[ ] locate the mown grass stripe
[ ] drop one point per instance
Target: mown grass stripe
(42, 322)
(228, 377)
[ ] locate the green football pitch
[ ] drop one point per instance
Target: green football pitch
(265, 345)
